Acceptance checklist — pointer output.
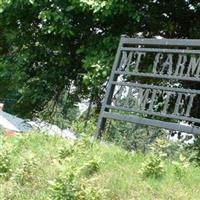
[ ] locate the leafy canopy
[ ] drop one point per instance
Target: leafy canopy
(50, 48)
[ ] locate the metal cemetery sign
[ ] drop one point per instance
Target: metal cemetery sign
(155, 82)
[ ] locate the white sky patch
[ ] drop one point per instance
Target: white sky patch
(191, 7)
(158, 37)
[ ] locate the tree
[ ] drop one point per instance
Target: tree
(48, 47)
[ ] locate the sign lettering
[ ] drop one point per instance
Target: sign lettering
(152, 83)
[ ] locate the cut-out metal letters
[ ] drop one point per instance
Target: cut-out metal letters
(154, 82)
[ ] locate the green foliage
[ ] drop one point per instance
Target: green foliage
(179, 170)
(166, 149)
(132, 137)
(180, 166)
(69, 185)
(85, 142)
(49, 47)
(162, 149)
(1, 131)
(43, 167)
(153, 167)
(129, 136)
(61, 113)
(26, 172)
(72, 182)
(63, 187)
(5, 160)
(66, 151)
(193, 152)
(89, 192)
(78, 126)
(91, 167)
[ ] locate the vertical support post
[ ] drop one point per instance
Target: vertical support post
(88, 112)
(109, 92)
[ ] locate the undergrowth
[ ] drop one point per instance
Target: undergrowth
(39, 167)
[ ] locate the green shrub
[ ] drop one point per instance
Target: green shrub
(63, 187)
(91, 167)
(179, 170)
(132, 137)
(166, 149)
(153, 167)
(66, 151)
(78, 126)
(25, 173)
(193, 152)
(5, 161)
(88, 192)
(69, 186)
(1, 131)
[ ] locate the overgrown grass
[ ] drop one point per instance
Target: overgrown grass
(43, 167)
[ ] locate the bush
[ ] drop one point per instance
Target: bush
(153, 167)
(166, 149)
(1, 131)
(79, 127)
(25, 173)
(131, 136)
(91, 167)
(5, 161)
(66, 151)
(63, 187)
(70, 186)
(88, 192)
(179, 170)
(73, 182)
(193, 152)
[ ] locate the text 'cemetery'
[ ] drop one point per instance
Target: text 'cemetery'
(152, 82)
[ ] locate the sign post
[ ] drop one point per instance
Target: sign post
(154, 82)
